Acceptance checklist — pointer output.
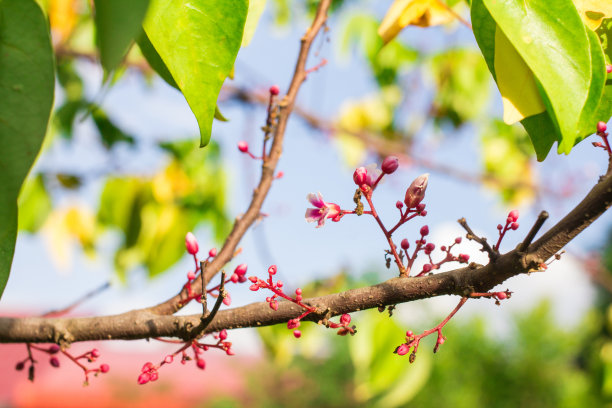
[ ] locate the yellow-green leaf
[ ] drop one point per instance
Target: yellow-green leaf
(422, 13)
(516, 82)
(198, 41)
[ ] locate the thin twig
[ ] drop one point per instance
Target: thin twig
(87, 296)
(542, 217)
(493, 255)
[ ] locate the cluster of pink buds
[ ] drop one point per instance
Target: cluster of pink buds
(150, 371)
(53, 351)
(191, 244)
(277, 292)
(511, 224)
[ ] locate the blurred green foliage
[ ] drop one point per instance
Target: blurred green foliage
(538, 364)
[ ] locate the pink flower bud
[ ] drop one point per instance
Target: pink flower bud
(360, 176)
(345, 319)
(54, 348)
(430, 247)
(169, 359)
(500, 227)
(458, 240)
(54, 362)
(464, 258)
(147, 367)
(253, 279)
(191, 275)
(513, 215)
(242, 278)
(20, 366)
(191, 243)
(501, 295)
(402, 350)
(153, 376)
(416, 192)
(272, 270)
(273, 305)
(234, 278)
(297, 334)
(389, 165)
(95, 353)
(514, 226)
(144, 378)
(601, 127)
(427, 268)
(405, 244)
(399, 204)
(223, 334)
(409, 334)
(293, 324)
(243, 146)
(212, 253)
(104, 368)
(274, 90)
(254, 287)
(201, 364)
(298, 291)
(424, 230)
(227, 300)
(241, 269)
(609, 69)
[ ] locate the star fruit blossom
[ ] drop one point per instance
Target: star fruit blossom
(322, 211)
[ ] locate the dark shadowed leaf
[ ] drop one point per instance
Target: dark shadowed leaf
(26, 98)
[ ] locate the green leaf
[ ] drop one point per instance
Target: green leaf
(154, 60)
(26, 98)
(34, 204)
(379, 373)
(256, 8)
(566, 62)
(117, 23)
(594, 110)
(198, 40)
(109, 132)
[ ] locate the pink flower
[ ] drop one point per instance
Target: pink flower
(322, 211)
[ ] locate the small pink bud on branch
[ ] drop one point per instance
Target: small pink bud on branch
(191, 243)
(416, 192)
(389, 165)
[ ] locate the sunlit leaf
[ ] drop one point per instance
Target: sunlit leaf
(34, 204)
(26, 98)
(422, 13)
(593, 12)
(198, 52)
(517, 86)
(117, 24)
(63, 17)
(256, 8)
(558, 49)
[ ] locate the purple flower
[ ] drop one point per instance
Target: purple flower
(322, 211)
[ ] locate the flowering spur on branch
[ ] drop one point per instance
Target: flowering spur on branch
(293, 324)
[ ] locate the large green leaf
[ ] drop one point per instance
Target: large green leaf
(198, 40)
(566, 63)
(117, 23)
(26, 98)
(154, 60)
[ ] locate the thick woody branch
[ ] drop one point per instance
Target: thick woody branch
(460, 282)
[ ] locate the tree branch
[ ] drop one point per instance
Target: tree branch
(461, 282)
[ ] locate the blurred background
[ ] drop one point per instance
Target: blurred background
(121, 180)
